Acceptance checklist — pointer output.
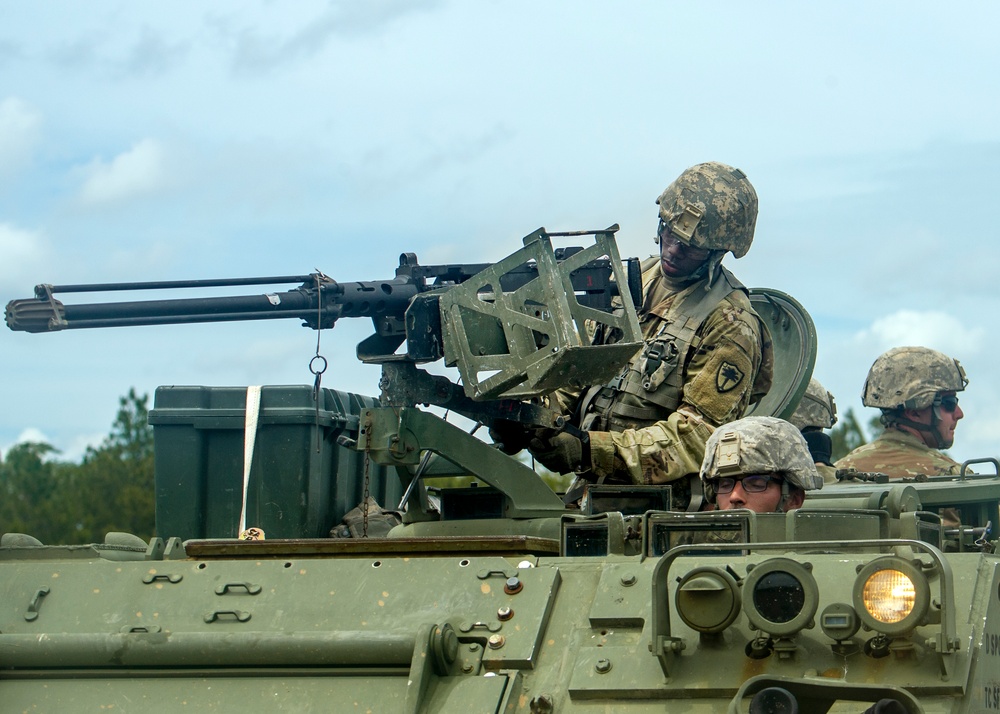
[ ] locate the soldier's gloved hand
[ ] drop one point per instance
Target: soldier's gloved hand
(510, 436)
(559, 451)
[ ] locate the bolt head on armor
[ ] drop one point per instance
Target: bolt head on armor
(910, 378)
(817, 409)
(759, 445)
(711, 206)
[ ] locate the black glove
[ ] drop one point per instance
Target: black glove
(510, 436)
(560, 451)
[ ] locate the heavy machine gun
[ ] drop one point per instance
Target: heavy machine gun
(515, 329)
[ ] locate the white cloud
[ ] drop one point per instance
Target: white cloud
(32, 435)
(20, 129)
(140, 170)
(24, 253)
(74, 452)
(79, 444)
(934, 329)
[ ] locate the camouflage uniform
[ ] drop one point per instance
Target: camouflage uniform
(829, 473)
(721, 372)
(899, 454)
(706, 356)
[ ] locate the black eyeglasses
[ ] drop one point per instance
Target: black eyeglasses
(754, 483)
(949, 403)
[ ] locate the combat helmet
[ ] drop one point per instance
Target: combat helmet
(911, 378)
(711, 206)
(816, 410)
(759, 445)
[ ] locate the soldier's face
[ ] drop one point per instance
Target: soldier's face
(765, 501)
(948, 420)
(678, 260)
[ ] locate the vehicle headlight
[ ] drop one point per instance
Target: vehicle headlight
(891, 595)
(780, 596)
(708, 599)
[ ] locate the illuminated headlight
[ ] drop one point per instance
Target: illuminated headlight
(780, 596)
(708, 599)
(891, 596)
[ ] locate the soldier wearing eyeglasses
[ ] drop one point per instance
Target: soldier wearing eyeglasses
(706, 355)
(917, 390)
(760, 463)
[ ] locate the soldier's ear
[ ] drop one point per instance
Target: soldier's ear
(795, 498)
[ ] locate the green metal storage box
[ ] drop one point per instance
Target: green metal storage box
(301, 482)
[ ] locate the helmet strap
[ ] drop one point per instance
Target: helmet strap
(786, 492)
(925, 429)
(935, 420)
(710, 267)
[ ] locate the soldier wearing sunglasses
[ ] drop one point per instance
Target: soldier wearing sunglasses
(759, 463)
(917, 390)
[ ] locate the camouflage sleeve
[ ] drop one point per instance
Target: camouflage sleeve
(719, 381)
(721, 375)
(563, 401)
(659, 453)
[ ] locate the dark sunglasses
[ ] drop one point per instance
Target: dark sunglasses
(755, 483)
(949, 404)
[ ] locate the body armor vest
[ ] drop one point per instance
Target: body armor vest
(655, 376)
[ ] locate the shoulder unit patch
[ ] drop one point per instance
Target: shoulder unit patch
(728, 377)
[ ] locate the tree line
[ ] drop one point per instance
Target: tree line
(111, 489)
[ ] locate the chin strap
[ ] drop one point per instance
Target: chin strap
(935, 420)
(711, 267)
(786, 492)
(925, 429)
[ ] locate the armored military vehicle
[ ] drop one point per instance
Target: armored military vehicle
(876, 596)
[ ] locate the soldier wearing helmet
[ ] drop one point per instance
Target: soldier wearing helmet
(759, 463)
(706, 356)
(816, 412)
(917, 390)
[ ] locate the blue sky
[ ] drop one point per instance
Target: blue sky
(191, 140)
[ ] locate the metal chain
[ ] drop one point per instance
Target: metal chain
(318, 364)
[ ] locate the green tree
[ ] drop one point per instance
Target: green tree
(115, 480)
(30, 491)
(110, 490)
(849, 433)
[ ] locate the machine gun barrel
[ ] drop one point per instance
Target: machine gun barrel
(318, 301)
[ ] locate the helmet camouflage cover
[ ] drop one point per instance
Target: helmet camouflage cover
(711, 206)
(910, 378)
(817, 409)
(759, 445)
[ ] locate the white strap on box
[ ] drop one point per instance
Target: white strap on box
(249, 438)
